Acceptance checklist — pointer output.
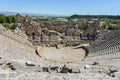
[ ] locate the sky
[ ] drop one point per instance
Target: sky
(62, 7)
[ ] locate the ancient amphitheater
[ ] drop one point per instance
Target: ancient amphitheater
(21, 60)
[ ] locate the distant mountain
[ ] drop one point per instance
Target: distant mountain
(8, 13)
(29, 14)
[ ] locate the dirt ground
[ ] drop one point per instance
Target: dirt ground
(67, 54)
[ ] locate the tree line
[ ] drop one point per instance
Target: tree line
(8, 22)
(96, 16)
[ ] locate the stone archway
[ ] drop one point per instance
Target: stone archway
(33, 36)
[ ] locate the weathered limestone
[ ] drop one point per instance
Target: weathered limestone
(57, 32)
(19, 60)
(117, 74)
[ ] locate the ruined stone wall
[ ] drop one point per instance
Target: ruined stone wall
(42, 31)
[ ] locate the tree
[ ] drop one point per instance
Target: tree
(8, 19)
(18, 15)
(2, 18)
(14, 19)
(11, 19)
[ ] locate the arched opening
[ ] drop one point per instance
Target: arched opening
(80, 36)
(41, 37)
(33, 36)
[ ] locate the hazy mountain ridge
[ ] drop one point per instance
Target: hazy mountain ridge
(29, 14)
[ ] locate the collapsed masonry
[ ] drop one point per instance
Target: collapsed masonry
(18, 60)
(48, 32)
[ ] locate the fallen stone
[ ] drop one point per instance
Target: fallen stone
(29, 64)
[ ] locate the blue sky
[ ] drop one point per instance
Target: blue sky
(63, 7)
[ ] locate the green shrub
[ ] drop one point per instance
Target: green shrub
(104, 26)
(13, 26)
(111, 27)
(8, 26)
